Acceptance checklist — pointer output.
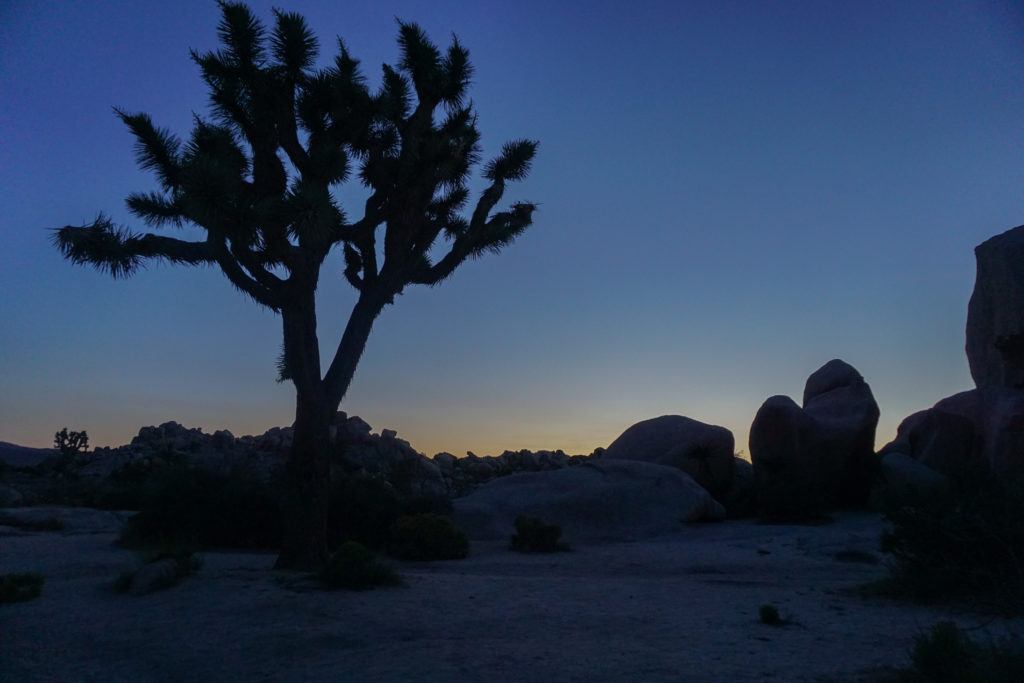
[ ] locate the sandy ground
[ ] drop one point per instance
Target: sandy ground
(682, 607)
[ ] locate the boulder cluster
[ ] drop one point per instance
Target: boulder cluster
(980, 431)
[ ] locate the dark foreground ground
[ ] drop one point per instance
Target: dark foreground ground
(683, 607)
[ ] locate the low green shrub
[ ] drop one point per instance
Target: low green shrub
(195, 507)
(945, 654)
(534, 536)
(354, 567)
(20, 587)
(967, 546)
(427, 536)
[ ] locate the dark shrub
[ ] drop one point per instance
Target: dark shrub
(947, 655)
(423, 503)
(46, 524)
(195, 507)
(968, 545)
(534, 536)
(353, 567)
(427, 537)
(362, 509)
(770, 616)
(19, 587)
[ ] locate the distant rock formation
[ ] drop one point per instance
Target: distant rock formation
(819, 456)
(995, 314)
(703, 451)
(356, 450)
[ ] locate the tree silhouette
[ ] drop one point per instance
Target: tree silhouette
(258, 178)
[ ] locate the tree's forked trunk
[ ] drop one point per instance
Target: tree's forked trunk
(307, 481)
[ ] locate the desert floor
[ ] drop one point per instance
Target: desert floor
(682, 607)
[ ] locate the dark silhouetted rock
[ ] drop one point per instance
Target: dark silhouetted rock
(600, 500)
(943, 440)
(904, 480)
(997, 415)
(703, 451)
(995, 314)
(822, 455)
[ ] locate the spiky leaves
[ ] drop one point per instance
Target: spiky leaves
(514, 161)
(121, 252)
(295, 46)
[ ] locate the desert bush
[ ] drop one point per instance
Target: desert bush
(427, 536)
(19, 587)
(354, 567)
(968, 545)
(534, 536)
(195, 507)
(362, 509)
(945, 654)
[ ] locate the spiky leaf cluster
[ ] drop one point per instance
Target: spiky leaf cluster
(258, 175)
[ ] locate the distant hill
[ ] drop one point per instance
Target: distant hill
(23, 456)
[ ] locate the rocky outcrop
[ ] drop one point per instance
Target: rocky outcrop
(597, 501)
(355, 449)
(703, 451)
(904, 480)
(979, 431)
(995, 314)
(811, 458)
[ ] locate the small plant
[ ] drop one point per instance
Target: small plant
(71, 444)
(20, 587)
(770, 616)
(353, 567)
(534, 536)
(427, 536)
(945, 654)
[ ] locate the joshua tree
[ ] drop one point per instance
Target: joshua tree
(258, 178)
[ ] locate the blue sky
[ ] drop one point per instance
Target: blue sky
(731, 194)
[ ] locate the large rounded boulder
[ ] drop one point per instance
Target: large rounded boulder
(703, 451)
(602, 500)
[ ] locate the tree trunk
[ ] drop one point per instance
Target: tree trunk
(307, 481)
(306, 503)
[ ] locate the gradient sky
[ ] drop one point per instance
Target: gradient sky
(731, 194)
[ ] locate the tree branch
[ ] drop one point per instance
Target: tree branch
(121, 252)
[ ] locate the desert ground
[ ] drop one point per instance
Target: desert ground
(679, 607)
